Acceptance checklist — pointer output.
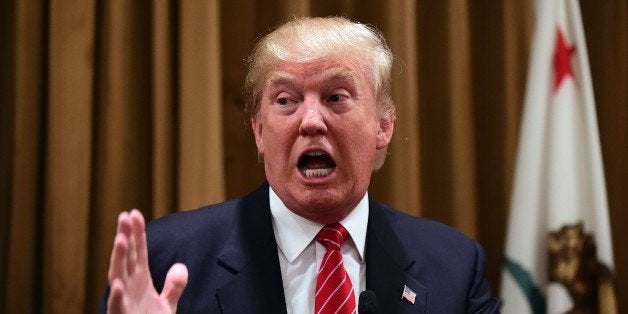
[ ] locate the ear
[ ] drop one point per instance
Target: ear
(385, 132)
(258, 131)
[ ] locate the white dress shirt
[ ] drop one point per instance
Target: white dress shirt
(300, 254)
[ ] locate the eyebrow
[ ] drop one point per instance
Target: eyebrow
(330, 74)
(341, 74)
(279, 78)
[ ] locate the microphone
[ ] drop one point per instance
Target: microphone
(367, 303)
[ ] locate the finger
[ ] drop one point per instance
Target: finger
(176, 280)
(121, 217)
(124, 224)
(115, 304)
(118, 263)
(126, 229)
(139, 231)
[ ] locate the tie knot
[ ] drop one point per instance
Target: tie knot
(332, 236)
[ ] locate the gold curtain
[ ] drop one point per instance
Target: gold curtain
(111, 105)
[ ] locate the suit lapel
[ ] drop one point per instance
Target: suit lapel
(250, 255)
(388, 266)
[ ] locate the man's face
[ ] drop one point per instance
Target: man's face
(318, 130)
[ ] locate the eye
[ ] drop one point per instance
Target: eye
(283, 101)
(336, 98)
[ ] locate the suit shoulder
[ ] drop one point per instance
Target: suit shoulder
(449, 264)
(190, 225)
(425, 232)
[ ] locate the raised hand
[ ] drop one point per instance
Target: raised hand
(132, 289)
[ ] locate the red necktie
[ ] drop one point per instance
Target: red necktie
(334, 291)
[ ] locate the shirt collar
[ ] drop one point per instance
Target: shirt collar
(294, 233)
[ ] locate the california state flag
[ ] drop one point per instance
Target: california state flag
(559, 255)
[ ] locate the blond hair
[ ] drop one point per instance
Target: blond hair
(311, 39)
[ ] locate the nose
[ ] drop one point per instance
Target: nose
(313, 122)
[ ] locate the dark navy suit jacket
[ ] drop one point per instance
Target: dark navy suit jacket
(231, 255)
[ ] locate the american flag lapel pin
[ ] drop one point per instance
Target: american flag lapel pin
(408, 294)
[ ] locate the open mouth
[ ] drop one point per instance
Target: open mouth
(316, 164)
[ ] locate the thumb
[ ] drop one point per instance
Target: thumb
(176, 280)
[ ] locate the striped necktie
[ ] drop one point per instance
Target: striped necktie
(334, 291)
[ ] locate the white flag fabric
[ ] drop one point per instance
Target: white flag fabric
(559, 253)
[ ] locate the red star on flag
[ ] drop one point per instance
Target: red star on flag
(562, 59)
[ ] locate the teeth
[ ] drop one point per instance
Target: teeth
(316, 153)
(311, 173)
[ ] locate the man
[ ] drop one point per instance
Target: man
(309, 240)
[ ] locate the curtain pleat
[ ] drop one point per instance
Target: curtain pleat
(464, 207)
(237, 39)
(606, 31)
(23, 219)
(67, 155)
(112, 105)
(403, 153)
(200, 168)
(122, 169)
(164, 110)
